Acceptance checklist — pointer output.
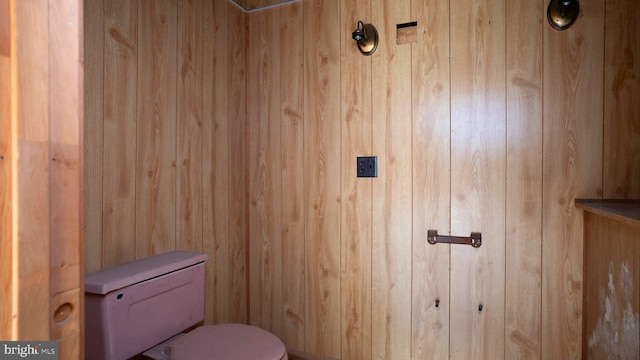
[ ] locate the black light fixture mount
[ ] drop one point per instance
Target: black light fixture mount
(562, 13)
(366, 36)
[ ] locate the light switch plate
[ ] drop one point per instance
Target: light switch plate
(367, 166)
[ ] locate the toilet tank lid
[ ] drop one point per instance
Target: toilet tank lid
(104, 281)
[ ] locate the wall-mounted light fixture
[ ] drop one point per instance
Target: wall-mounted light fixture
(366, 37)
(562, 13)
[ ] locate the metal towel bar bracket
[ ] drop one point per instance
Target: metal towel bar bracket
(475, 239)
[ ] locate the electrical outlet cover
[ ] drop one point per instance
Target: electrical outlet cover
(367, 166)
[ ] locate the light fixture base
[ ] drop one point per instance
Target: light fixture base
(369, 43)
(562, 13)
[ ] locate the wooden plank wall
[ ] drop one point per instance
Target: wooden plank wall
(524, 180)
(6, 244)
(321, 177)
(488, 128)
(357, 202)
(31, 179)
(42, 167)
(478, 173)
(391, 238)
(245, 149)
(622, 100)
(165, 139)
(237, 269)
(66, 77)
(572, 168)
(431, 94)
(118, 82)
(93, 132)
(612, 262)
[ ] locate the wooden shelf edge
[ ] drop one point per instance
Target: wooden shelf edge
(627, 211)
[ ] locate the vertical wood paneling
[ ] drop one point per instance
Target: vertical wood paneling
(612, 288)
(339, 266)
(478, 131)
(6, 183)
(431, 180)
(572, 158)
(189, 127)
(156, 128)
(45, 134)
(392, 191)
(30, 166)
(6, 242)
(238, 165)
(66, 114)
(523, 250)
(174, 171)
(356, 209)
(266, 193)
(292, 152)
(622, 100)
(5, 31)
(119, 130)
(215, 162)
(322, 177)
(94, 58)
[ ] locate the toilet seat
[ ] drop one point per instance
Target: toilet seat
(226, 341)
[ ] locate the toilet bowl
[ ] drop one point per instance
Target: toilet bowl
(142, 307)
(225, 341)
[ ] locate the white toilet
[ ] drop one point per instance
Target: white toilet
(143, 307)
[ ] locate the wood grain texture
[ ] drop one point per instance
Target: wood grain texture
(523, 314)
(238, 165)
(322, 178)
(265, 159)
(276, 176)
(65, 173)
(572, 158)
(5, 31)
(215, 163)
(6, 184)
(68, 332)
(356, 205)
(622, 100)
(94, 41)
(119, 126)
(170, 104)
(478, 162)
(30, 163)
(392, 205)
(292, 153)
(156, 128)
(259, 5)
(278, 182)
(611, 289)
(431, 180)
(189, 127)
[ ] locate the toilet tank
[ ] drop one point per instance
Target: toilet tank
(132, 307)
